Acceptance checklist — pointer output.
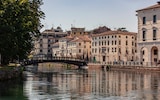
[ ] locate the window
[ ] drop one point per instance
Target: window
(119, 57)
(154, 34)
(143, 52)
(119, 42)
(99, 50)
(144, 35)
(126, 51)
(41, 50)
(96, 50)
(126, 42)
(112, 42)
(79, 44)
(144, 20)
(154, 18)
(103, 49)
(49, 40)
(119, 50)
(40, 40)
(79, 50)
(132, 43)
(132, 51)
(95, 43)
(155, 52)
(99, 43)
(104, 58)
(92, 50)
(115, 42)
(108, 42)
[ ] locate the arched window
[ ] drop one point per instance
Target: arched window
(154, 33)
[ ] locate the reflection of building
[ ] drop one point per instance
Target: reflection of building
(122, 85)
(114, 46)
(47, 37)
(148, 34)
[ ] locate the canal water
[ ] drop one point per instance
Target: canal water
(72, 84)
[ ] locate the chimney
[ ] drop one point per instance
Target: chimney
(158, 2)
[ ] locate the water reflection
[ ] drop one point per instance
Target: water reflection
(92, 85)
(12, 90)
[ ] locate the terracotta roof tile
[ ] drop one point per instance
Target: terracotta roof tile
(150, 7)
(113, 33)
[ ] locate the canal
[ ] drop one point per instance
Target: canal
(72, 84)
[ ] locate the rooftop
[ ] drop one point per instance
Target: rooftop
(151, 7)
(113, 33)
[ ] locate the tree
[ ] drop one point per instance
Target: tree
(123, 29)
(19, 24)
(100, 30)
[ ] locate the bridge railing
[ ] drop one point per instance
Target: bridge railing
(75, 61)
(58, 58)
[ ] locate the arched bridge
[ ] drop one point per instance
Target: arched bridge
(68, 60)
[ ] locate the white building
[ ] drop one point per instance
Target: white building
(148, 35)
(55, 50)
(63, 46)
(43, 46)
(76, 47)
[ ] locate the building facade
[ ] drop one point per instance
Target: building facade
(43, 46)
(148, 37)
(114, 46)
(75, 47)
(78, 31)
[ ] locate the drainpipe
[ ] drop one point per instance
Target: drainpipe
(0, 59)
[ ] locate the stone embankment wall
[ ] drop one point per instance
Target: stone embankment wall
(129, 68)
(11, 73)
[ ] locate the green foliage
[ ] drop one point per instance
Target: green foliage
(19, 24)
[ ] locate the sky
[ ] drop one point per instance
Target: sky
(90, 14)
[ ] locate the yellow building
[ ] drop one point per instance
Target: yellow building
(80, 47)
(113, 46)
(78, 31)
